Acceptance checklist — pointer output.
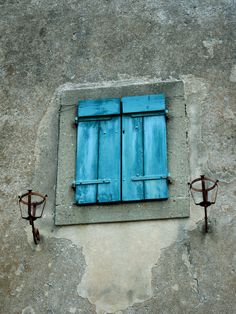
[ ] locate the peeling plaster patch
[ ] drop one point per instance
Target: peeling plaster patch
(119, 260)
(175, 287)
(2, 73)
(162, 17)
(232, 77)
(210, 45)
(19, 289)
(37, 2)
(28, 310)
(20, 270)
(186, 261)
(225, 208)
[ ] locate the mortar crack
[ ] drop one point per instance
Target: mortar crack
(195, 278)
(192, 274)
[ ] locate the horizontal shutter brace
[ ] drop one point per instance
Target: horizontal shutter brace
(151, 177)
(88, 119)
(98, 181)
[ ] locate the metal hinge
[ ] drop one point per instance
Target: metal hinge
(167, 114)
(76, 121)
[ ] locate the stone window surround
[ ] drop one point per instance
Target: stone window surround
(177, 206)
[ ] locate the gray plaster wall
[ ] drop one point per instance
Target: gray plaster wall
(168, 266)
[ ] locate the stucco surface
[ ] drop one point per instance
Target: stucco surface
(147, 267)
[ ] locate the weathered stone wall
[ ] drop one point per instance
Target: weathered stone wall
(166, 266)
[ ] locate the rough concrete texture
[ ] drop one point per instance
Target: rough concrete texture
(46, 47)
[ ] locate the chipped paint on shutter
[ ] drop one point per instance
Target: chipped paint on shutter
(144, 103)
(98, 154)
(99, 107)
(109, 160)
(144, 151)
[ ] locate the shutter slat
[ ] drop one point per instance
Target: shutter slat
(99, 107)
(143, 103)
(132, 158)
(155, 157)
(109, 160)
(86, 161)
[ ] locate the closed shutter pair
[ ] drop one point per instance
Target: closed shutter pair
(121, 150)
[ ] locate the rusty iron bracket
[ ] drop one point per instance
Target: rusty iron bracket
(26, 199)
(205, 193)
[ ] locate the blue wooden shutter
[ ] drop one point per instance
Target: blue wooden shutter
(144, 148)
(98, 152)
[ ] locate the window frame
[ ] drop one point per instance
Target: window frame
(177, 206)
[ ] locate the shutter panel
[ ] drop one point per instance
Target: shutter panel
(144, 151)
(98, 155)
